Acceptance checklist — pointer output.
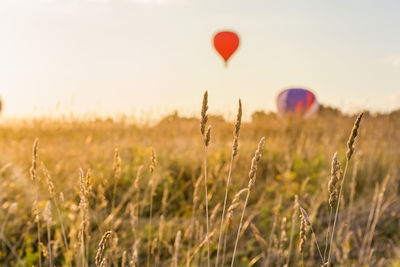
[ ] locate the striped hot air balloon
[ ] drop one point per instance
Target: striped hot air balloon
(296, 102)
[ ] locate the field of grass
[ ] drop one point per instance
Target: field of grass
(150, 192)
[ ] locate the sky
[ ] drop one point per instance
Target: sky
(152, 57)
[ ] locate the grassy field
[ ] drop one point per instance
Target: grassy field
(150, 192)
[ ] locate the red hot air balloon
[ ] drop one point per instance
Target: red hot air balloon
(226, 43)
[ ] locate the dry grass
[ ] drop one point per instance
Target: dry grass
(117, 194)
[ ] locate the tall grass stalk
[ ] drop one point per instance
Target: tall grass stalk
(164, 204)
(53, 197)
(282, 241)
(367, 240)
(33, 173)
(353, 183)
(206, 200)
(302, 236)
(229, 217)
(192, 220)
(102, 245)
(228, 180)
(137, 194)
(252, 179)
(117, 175)
(199, 246)
(296, 207)
(82, 207)
(333, 195)
(47, 217)
(308, 222)
(152, 188)
(349, 153)
(272, 235)
(206, 139)
(176, 248)
(135, 254)
(123, 261)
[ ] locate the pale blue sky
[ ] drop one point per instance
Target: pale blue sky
(155, 56)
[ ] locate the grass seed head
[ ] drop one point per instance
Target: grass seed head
(102, 246)
(49, 181)
(254, 162)
(196, 196)
(34, 159)
(137, 179)
(208, 136)
(153, 163)
(234, 204)
(332, 185)
(305, 216)
(204, 116)
(117, 165)
(237, 130)
(352, 137)
(214, 212)
(303, 232)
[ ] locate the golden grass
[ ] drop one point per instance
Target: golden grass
(116, 194)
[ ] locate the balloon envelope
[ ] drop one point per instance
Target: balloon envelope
(226, 43)
(296, 101)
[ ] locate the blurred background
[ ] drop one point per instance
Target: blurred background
(148, 58)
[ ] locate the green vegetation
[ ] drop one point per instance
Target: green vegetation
(115, 190)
